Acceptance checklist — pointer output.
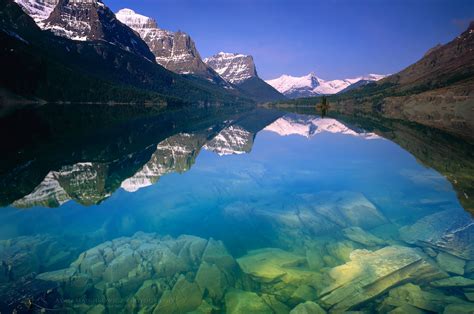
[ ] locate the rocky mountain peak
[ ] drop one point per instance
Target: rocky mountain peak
(176, 51)
(233, 67)
(39, 10)
(135, 20)
(89, 20)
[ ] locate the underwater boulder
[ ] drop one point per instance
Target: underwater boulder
(412, 295)
(271, 265)
(238, 302)
(184, 297)
(451, 231)
(456, 281)
(361, 236)
(369, 274)
(308, 307)
(451, 263)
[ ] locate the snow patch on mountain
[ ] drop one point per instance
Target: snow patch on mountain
(311, 85)
(39, 10)
(309, 126)
(233, 140)
(233, 67)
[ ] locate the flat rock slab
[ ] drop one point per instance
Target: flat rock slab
(456, 281)
(272, 265)
(361, 236)
(413, 295)
(451, 263)
(369, 274)
(451, 231)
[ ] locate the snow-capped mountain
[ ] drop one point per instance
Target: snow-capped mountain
(39, 10)
(233, 67)
(311, 85)
(309, 126)
(85, 20)
(233, 140)
(240, 70)
(176, 51)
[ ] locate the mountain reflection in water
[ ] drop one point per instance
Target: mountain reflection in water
(228, 209)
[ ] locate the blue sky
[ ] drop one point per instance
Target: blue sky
(333, 38)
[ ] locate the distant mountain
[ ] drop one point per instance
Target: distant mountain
(176, 51)
(311, 85)
(60, 69)
(436, 91)
(240, 70)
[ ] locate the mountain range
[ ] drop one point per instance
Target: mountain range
(310, 85)
(81, 51)
(436, 91)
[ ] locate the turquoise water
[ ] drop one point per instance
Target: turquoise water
(286, 211)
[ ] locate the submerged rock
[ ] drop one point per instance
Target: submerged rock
(369, 274)
(238, 302)
(451, 231)
(308, 308)
(413, 295)
(450, 263)
(271, 265)
(184, 297)
(456, 281)
(361, 236)
(147, 273)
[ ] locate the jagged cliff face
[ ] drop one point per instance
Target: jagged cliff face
(39, 10)
(176, 51)
(84, 20)
(234, 68)
(240, 70)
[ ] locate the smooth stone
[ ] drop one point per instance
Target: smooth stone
(308, 307)
(361, 236)
(120, 266)
(239, 302)
(451, 231)
(459, 309)
(413, 295)
(369, 274)
(204, 308)
(429, 251)
(270, 265)
(451, 263)
(456, 281)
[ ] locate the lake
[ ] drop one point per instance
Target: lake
(145, 209)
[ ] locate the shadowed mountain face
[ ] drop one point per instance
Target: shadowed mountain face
(104, 69)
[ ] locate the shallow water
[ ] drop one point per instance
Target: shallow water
(285, 211)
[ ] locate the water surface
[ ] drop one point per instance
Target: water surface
(227, 210)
